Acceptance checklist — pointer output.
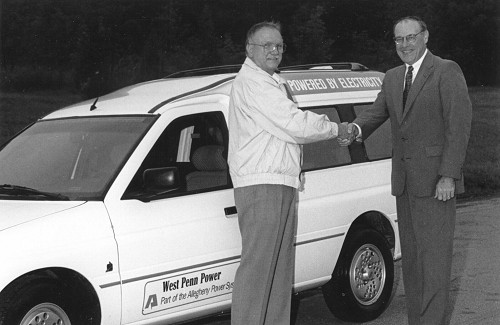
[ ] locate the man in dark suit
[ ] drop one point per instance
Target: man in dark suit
(430, 111)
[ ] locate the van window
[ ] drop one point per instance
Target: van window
(196, 146)
(379, 144)
(328, 153)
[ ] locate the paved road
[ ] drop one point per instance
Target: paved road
(475, 289)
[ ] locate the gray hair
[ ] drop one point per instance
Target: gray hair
(419, 20)
(265, 24)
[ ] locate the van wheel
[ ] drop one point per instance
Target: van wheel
(40, 302)
(361, 284)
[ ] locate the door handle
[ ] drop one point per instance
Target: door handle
(231, 212)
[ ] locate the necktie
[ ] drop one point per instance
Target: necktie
(409, 77)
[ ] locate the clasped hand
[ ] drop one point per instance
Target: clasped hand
(347, 133)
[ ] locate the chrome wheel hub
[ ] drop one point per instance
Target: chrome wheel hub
(367, 274)
(46, 314)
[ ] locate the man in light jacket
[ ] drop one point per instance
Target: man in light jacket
(266, 130)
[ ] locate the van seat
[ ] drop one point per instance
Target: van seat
(211, 168)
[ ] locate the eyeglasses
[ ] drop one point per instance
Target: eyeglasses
(269, 47)
(412, 38)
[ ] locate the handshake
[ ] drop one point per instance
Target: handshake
(347, 133)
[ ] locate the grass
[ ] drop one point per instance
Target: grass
(482, 164)
(18, 110)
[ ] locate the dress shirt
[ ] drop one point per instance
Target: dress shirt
(416, 67)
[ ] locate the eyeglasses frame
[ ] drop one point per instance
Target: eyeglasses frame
(274, 47)
(408, 38)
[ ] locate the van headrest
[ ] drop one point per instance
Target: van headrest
(209, 158)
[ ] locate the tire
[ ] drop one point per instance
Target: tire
(361, 285)
(41, 301)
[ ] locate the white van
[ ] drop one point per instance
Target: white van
(120, 209)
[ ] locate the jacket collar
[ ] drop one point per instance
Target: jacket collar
(249, 63)
(422, 75)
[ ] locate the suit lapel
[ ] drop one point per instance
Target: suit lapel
(423, 73)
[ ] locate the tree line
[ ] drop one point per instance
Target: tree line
(95, 46)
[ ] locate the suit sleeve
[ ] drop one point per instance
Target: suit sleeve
(457, 116)
(369, 120)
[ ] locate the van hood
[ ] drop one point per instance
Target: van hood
(13, 213)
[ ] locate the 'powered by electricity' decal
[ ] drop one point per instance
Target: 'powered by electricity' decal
(322, 85)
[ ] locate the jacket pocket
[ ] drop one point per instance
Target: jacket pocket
(433, 151)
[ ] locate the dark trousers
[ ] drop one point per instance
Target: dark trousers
(426, 228)
(263, 283)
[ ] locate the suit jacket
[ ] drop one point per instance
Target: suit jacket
(430, 136)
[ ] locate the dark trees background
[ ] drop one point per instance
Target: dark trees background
(95, 46)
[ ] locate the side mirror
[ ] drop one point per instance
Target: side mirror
(161, 180)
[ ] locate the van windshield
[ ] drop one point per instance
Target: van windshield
(74, 158)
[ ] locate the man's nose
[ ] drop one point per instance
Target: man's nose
(405, 42)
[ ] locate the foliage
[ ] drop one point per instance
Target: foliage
(309, 36)
(96, 46)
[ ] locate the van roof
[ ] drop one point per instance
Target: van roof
(306, 85)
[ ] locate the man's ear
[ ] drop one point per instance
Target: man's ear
(249, 49)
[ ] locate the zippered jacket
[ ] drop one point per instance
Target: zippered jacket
(267, 129)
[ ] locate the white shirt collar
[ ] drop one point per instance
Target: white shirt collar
(416, 65)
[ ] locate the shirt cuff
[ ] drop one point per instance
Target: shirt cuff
(359, 137)
(334, 132)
